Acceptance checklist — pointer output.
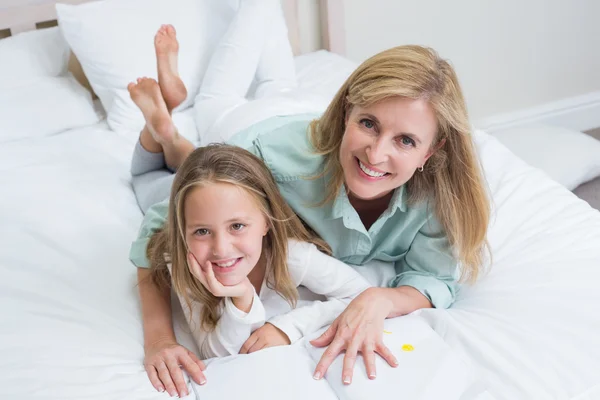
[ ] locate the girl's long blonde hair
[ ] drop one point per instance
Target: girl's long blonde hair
(219, 163)
(452, 179)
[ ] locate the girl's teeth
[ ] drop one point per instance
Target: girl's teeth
(369, 171)
(225, 265)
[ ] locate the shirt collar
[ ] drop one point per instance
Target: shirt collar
(399, 199)
(341, 203)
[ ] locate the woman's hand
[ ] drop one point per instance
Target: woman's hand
(241, 294)
(358, 328)
(163, 362)
(267, 335)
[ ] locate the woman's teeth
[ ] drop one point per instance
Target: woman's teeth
(370, 172)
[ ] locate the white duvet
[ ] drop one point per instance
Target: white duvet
(70, 318)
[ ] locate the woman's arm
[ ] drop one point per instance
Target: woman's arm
(427, 277)
(163, 355)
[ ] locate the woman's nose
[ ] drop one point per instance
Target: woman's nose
(377, 152)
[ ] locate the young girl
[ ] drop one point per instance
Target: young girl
(236, 253)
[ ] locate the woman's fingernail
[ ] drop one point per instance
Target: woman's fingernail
(346, 379)
(317, 375)
(202, 381)
(161, 389)
(372, 376)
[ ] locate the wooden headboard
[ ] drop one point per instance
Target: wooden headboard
(23, 15)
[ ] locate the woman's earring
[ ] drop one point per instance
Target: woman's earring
(420, 168)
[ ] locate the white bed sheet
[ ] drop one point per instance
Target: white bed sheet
(70, 315)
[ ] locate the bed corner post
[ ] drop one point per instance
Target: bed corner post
(332, 26)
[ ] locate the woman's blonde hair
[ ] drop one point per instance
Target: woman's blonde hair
(219, 163)
(452, 177)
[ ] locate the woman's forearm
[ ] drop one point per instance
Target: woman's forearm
(405, 299)
(156, 310)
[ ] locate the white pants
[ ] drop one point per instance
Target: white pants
(254, 50)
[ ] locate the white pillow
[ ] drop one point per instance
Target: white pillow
(114, 42)
(567, 156)
(44, 107)
(31, 55)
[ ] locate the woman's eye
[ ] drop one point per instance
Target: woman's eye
(201, 232)
(406, 141)
(367, 123)
(237, 227)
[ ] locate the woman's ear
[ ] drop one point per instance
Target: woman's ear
(436, 148)
(266, 229)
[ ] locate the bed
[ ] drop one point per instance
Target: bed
(70, 315)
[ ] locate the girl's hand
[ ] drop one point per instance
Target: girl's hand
(358, 328)
(241, 294)
(267, 335)
(163, 362)
(206, 276)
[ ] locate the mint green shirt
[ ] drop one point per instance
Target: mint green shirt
(408, 235)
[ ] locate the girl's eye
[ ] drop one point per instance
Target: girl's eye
(201, 232)
(406, 141)
(237, 227)
(367, 123)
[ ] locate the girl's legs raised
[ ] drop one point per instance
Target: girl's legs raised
(159, 134)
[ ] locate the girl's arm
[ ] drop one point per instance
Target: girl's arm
(232, 330)
(156, 310)
(242, 312)
(322, 275)
(163, 354)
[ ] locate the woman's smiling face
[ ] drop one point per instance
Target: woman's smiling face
(384, 144)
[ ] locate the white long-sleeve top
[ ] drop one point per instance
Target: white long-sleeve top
(308, 267)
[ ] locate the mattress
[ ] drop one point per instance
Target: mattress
(71, 323)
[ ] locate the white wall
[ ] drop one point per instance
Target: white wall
(509, 54)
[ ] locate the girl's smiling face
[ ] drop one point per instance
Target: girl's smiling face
(224, 225)
(384, 144)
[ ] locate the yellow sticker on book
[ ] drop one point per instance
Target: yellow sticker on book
(408, 347)
(387, 332)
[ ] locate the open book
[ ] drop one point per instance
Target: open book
(428, 369)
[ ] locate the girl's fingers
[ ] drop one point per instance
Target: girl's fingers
(197, 361)
(193, 264)
(193, 369)
(177, 377)
(249, 343)
(259, 344)
(165, 377)
(153, 375)
(197, 271)
(210, 275)
(216, 287)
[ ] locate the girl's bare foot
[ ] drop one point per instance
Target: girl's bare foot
(167, 49)
(147, 96)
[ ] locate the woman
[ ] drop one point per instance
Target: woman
(388, 172)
